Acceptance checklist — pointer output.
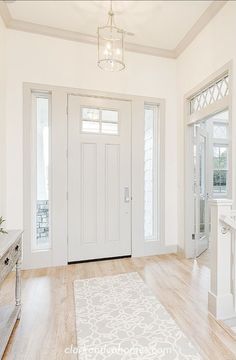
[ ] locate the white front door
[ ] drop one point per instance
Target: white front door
(99, 178)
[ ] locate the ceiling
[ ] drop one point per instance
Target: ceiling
(155, 24)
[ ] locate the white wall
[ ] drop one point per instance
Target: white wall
(40, 59)
(213, 48)
(2, 121)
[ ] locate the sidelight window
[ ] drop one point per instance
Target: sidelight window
(150, 171)
(41, 153)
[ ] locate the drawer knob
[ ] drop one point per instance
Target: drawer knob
(6, 261)
(17, 247)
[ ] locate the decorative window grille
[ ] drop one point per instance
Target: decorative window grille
(216, 91)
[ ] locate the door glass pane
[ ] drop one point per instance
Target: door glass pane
(220, 131)
(202, 172)
(109, 120)
(110, 116)
(90, 126)
(42, 210)
(216, 157)
(109, 128)
(90, 114)
(200, 168)
(220, 181)
(99, 121)
(194, 176)
(223, 158)
(220, 169)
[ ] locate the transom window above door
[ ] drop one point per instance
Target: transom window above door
(210, 94)
(99, 121)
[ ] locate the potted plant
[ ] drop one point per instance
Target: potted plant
(2, 231)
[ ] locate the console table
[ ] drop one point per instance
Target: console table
(10, 258)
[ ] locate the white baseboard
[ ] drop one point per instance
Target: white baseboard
(161, 250)
(180, 251)
(221, 307)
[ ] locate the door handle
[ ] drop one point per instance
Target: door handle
(126, 194)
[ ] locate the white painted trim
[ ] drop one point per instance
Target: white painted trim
(31, 258)
(211, 109)
(162, 250)
(221, 105)
(58, 255)
(26, 26)
(217, 202)
(220, 296)
(221, 307)
(180, 251)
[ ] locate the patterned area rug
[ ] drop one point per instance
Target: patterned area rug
(118, 318)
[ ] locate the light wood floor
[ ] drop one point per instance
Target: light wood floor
(47, 325)
(204, 258)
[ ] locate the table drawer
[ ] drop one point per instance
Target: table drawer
(8, 261)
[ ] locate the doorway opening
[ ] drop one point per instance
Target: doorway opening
(211, 176)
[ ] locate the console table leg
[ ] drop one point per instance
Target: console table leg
(18, 286)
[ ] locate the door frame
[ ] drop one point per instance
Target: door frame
(57, 255)
(189, 121)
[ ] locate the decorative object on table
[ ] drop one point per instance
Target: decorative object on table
(2, 231)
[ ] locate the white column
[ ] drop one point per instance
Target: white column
(220, 296)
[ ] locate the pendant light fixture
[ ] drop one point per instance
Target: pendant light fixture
(111, 45)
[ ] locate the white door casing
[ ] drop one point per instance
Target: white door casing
(99, 183)
(217, 105)
(58, 254)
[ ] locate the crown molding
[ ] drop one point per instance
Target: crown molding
(201, 23)
(26, 26)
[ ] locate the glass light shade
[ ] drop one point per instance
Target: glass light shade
(110, 48)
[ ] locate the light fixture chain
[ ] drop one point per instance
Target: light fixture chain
(111, 14)
(111, 11)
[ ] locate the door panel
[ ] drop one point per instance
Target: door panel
(99, 174)
(89, 193)
(112, 192)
